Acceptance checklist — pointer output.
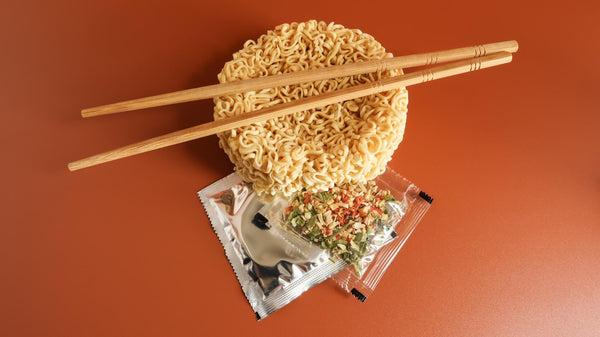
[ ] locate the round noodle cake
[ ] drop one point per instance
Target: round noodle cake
(346, 142)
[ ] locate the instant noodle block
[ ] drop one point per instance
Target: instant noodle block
(346, 142)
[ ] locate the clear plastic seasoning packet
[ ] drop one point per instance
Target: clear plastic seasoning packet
(273, 265)
(405, 209)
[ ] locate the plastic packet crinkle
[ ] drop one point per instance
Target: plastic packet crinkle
(274, 266)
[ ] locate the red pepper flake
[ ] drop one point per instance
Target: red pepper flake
(307, 198)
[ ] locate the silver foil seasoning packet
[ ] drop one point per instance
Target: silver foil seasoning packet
(273, 265)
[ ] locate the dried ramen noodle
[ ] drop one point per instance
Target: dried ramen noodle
(346, 142)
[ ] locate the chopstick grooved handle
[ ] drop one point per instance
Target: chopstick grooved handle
(475, 65)
(480, 50)
(432, 58)
(427, 76)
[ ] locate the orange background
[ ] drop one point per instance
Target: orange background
(511, 154)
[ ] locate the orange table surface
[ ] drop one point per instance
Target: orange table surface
(511, 246)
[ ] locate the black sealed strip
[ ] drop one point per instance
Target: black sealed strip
(261, 221)
(426, 197)
(360, 296)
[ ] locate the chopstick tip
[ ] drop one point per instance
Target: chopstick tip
(73, 166)
(86, 112)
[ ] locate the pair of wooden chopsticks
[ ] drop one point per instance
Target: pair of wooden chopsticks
(471, 59)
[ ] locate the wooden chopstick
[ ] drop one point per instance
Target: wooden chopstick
(215, 90)
(353, 92)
